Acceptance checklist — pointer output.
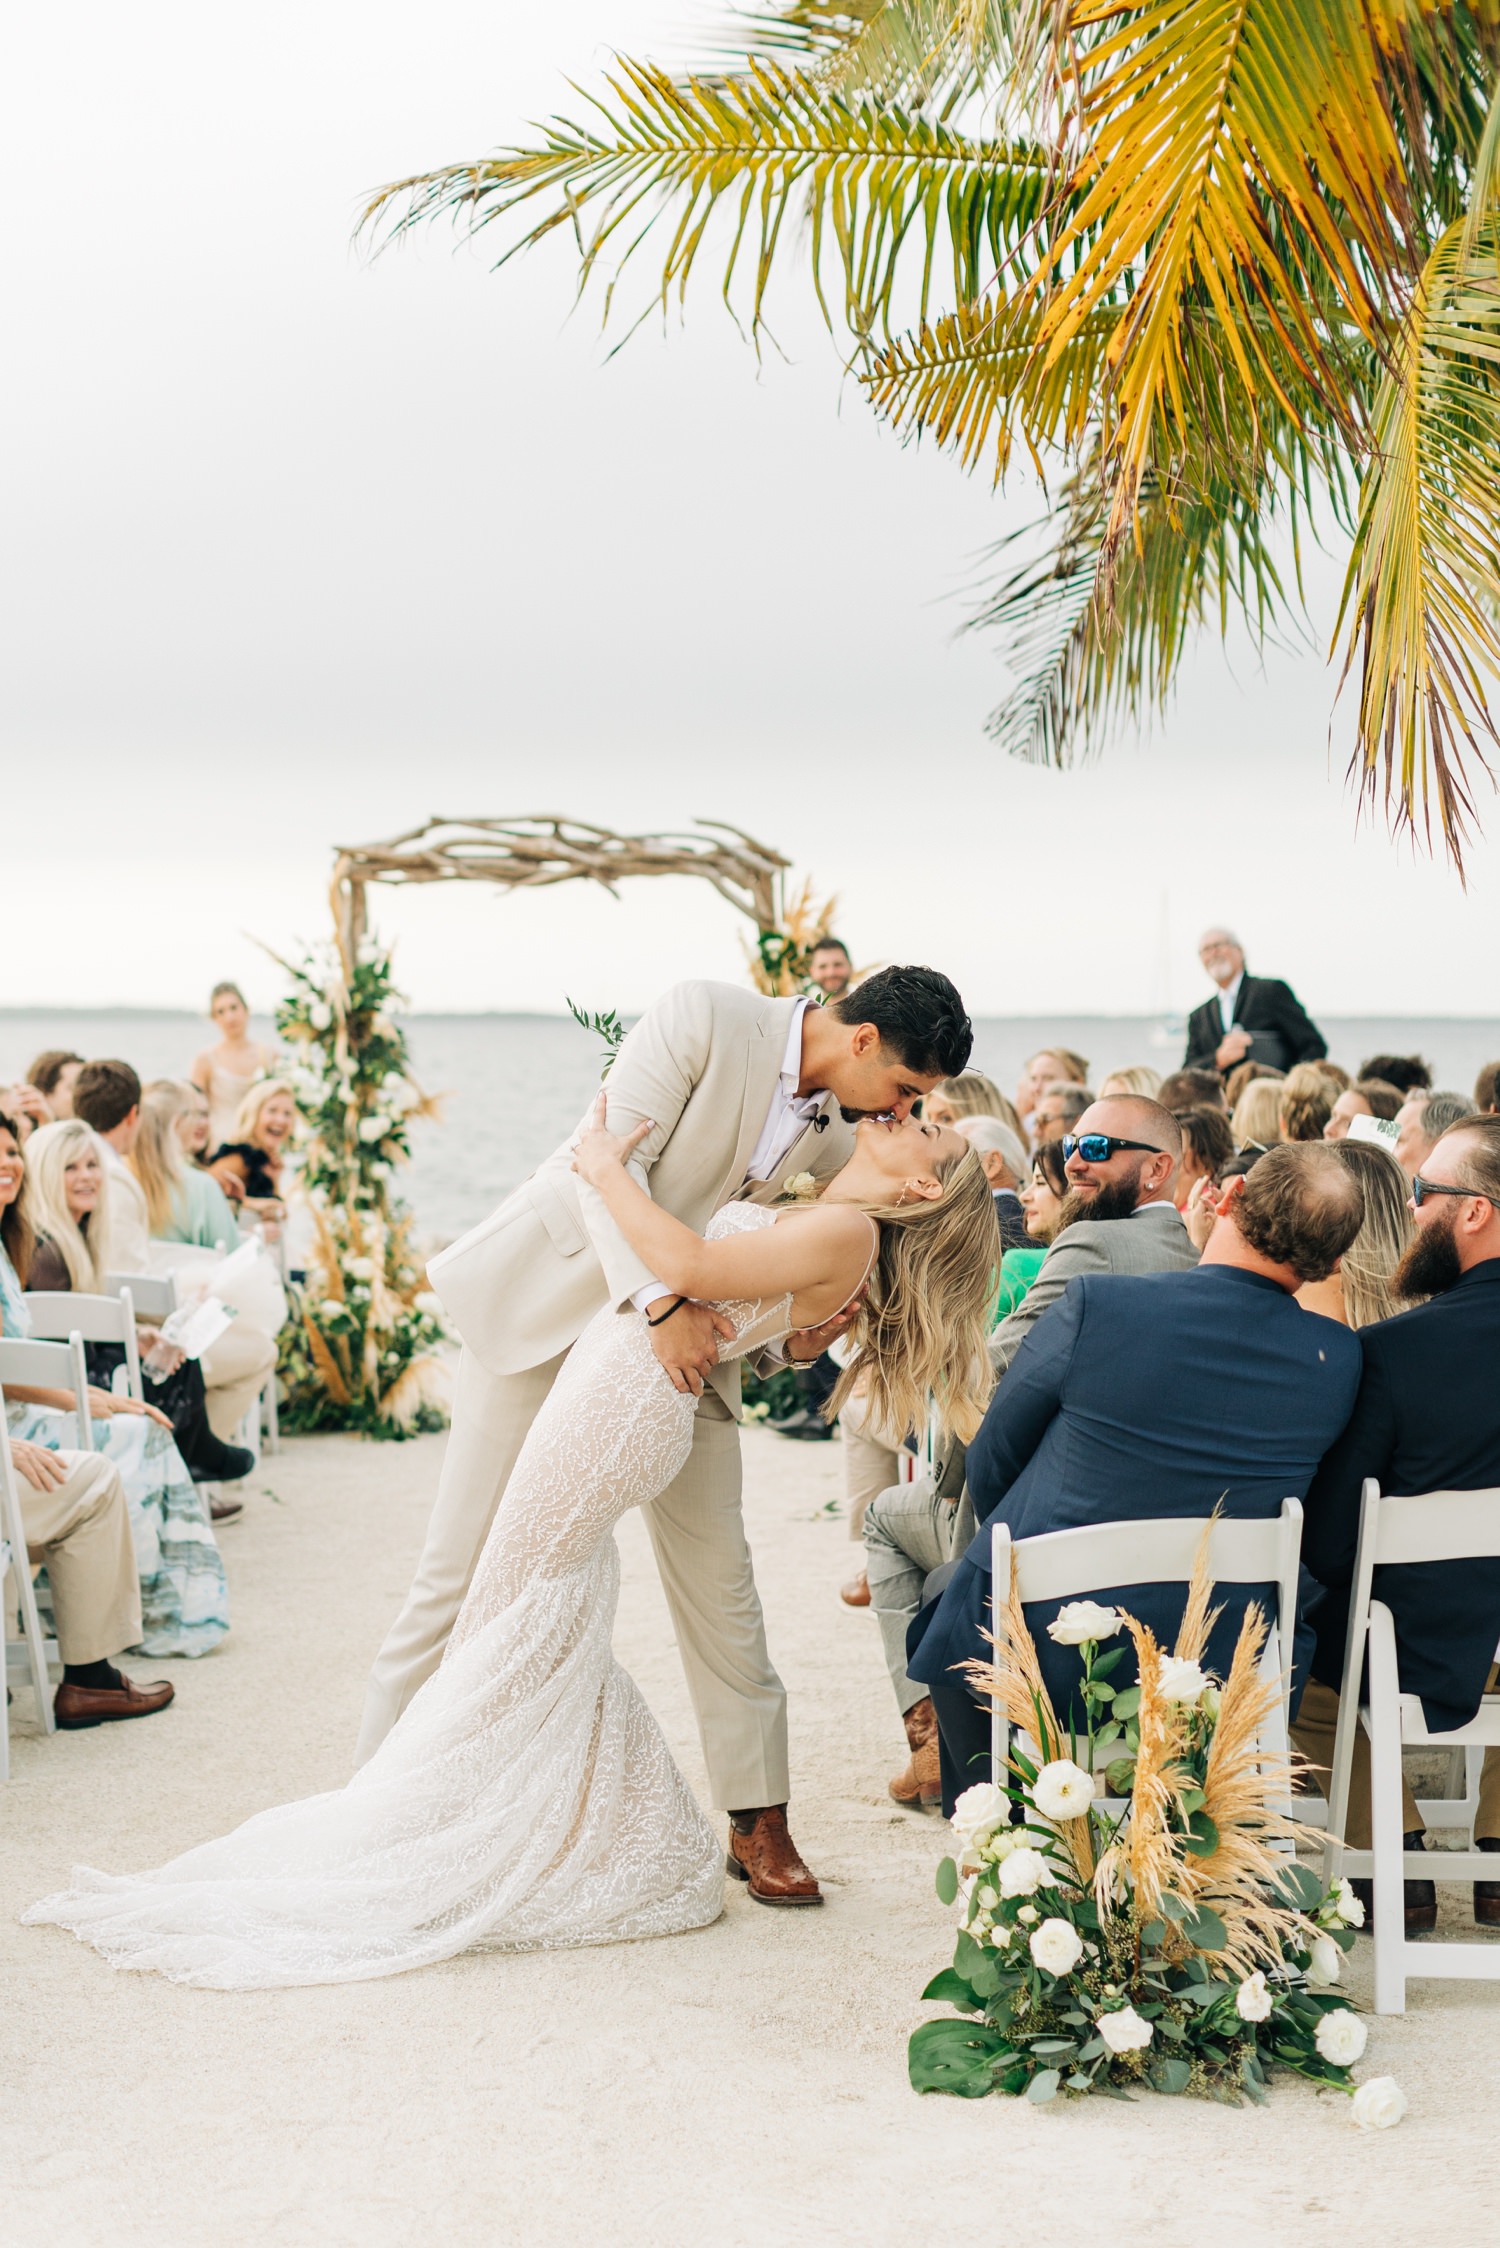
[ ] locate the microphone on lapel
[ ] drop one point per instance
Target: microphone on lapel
(820, 1121)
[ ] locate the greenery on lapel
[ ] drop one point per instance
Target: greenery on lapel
(608, 1027)
(1227, 275)
(1168, 1941)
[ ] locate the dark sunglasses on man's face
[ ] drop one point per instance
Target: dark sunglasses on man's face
(1098, 1147)
(1421, 1188)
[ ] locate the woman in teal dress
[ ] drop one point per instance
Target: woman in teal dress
(184, 1597)
(1042, 1199)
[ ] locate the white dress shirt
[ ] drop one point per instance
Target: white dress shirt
(787, 1119)
(1228, 995)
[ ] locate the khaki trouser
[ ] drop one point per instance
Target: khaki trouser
(81, 1530)
(1313, 1732)
(698, 1532)
(871, 1464)
(909, 1532)
(234, 1371)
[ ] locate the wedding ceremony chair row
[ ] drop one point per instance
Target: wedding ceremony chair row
(40, 1365)
(154, 1296)
(29, 1658)
(57, 1315)
(1442, 1526)
(1073, 1564)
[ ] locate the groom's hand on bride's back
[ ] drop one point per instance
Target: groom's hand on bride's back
(806, 1343)
(688, 1344)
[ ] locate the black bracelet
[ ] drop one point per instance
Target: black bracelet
(675, 1305)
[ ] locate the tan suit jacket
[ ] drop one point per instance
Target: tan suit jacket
(702, 1065)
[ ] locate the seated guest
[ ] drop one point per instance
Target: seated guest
(193, 1139)
(1409, 1073)
(1306, 1104)
(1207, 1146)
(971, 1094)
(107, 1097)
(1043, 1196)
(1361, 1287)
(1258, 1018)
(1421, 1121)
(182, 1603)
(25, 1107)
(1137, 1079)
(1487, 1089)
(182, 1202)
(1046, 1067)
(256, 1155)
(1119, 1216)
(1427, 1419)
(1058, 1109)
(1366, 1097)
(1256, 1122)
(1170, 1396)
(1245, 1074)
(1192, 1088)
(1005, 1166)
(53, 1074)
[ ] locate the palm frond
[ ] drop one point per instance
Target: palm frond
(1422, 592)
(877, 182)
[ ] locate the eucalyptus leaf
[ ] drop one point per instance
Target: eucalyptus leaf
(1043, 2085)
(1127, 1701)
(1202, 1837)
(947, 1882)
(1205, 1930)
(1169, 2074)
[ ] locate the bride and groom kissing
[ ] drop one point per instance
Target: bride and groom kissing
(513, 1790)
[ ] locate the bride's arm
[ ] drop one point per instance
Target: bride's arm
(822, 1249)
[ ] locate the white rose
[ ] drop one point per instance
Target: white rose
(1029, 1914)
(381, 1171)
(359, 1268)
(320, 1015)
(431, 1307)
(1083, 1619)
(1062, 1790)
(373, 1128)
(1379, 2104)
(977, 1808)
(1124, 2031)
(1182, 1681)
(1341, 2037)
(1056, 1946)
(1022, 1873)
(368, 953)
(1350, 1910)
(1253, 2000)
(1323, 1967)
(1000, 1935)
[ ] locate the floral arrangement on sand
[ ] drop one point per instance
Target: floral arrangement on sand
(1166, 1938)
(363, 1354)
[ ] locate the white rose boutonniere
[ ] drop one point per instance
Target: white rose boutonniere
(800, 1187)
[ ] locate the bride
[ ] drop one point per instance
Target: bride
(527, 1797)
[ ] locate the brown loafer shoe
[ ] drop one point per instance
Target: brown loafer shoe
(78, 1706)
(920, 1786)
(1487, 1893)
(764, 1855)
(225, 1510)
(856, 1593)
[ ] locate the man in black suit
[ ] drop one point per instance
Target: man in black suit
(1254, 1018)
(1168, 1395)
(1427, 1419)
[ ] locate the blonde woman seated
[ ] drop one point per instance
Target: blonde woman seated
(972, 1094)
(254, 1157)
(526, 1798)
(183, 1203)
(184, 1598)
(225, 1073)
(1256, 1122)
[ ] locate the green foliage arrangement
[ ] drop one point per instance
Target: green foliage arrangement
(363, 1354)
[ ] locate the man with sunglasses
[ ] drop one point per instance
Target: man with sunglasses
(1427, 1419)
(1121, 1158)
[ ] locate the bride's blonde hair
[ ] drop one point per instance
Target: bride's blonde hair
(926, 1320)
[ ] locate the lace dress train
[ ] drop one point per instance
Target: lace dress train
(527, 1797)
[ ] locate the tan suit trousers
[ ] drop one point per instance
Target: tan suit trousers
(234, 1369)
(1312, 1733)
(698, 1532)
(81, 1530)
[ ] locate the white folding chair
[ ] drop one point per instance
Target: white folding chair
(34, 1364)
(28, 1656)
(56, 1316)
(1070, 1564)
(1443, 1526)
(154, 1294)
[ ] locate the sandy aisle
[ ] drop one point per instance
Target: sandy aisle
(746, 2084)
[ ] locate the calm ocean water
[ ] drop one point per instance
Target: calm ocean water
(517, 1084)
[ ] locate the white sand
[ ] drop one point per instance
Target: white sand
(746, 2084)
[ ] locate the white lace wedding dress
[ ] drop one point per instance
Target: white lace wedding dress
(527, 1798)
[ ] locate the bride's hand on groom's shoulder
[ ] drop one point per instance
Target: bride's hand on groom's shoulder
(598, 1151)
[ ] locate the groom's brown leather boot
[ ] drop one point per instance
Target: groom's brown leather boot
(762, 1853)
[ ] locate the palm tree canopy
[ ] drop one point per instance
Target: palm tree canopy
(1222, 267)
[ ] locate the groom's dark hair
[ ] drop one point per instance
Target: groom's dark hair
(919, 1016)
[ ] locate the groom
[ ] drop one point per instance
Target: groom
(743, 1093)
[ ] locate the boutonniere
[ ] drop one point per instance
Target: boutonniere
(801, 1187)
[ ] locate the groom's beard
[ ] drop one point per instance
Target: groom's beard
(1431, 1265)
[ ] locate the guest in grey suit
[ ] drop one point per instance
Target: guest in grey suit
(1121, 1159)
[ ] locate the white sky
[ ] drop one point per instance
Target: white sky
(302, 548)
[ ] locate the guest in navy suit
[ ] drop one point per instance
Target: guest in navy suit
(1168, 1395)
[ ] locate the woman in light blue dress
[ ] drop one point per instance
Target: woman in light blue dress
(184, 1596)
